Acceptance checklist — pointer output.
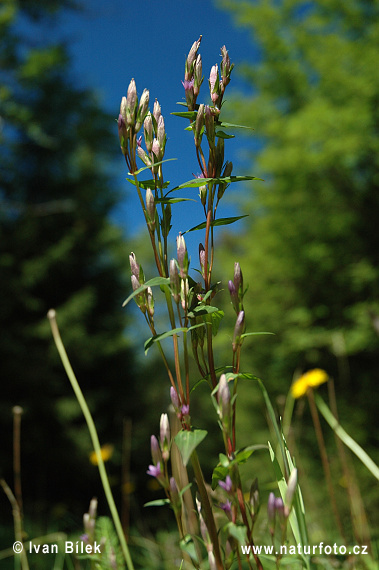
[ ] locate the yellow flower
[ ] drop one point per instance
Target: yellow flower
(106, 453)
(310, 379)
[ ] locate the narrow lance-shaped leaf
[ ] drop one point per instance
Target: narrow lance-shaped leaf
(218, 222)
(151, 283)
(171, 332)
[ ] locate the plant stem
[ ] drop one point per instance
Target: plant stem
(93, 433)
(205, 503)
(17, 521)
(324, 459)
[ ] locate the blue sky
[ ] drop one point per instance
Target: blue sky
(115, 40)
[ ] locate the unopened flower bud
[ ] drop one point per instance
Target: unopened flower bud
(174, 398)
(156, 454)
(174, 280)
(148, 131)
(182, 254)
(184, 293)
(134, 266)
(202, 260)
(150, 302)
(239, 329)
(156, 150)
(161, 135)
(223, 394)
(135, 283)
(123, 107)
(191, 59)
(199, 124)
(165, 437)
(142, 110)
(198, 79)
(291, 490)
(279, 509)
(214, 84)
(131, 103)
(157, 111)
(238, 280)
(226, 66)
(271, 512)
(150, 209)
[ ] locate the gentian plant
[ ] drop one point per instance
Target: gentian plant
(207, 538)
(216, 519)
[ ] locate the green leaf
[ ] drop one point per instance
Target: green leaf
(218, 222)
(237, 531)
(173, 200)
(202, 310)
(216, 320)
(243, 455)
(157, 503)
(157, 338)
(187, 441)
(196, 182)
(233, 126)
(186, 114)
(255, 334)
(222, 135)
(151, 283)
(149, 167)
(145, 184)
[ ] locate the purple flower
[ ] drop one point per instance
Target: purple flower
(155, 470)
(226, 507)
(185, 410)
(189, 92)
(227, 484)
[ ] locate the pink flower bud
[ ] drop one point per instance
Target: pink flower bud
(271, 512)
(142, 110)
(134, 266)
(157, 111)
(198, 79)
(182, 254)
(148, 131)
(191, 59)
(164, 429)
(131, 103)
(202, 259)
(239, 329)
(156, 454)
(150, 208)
(214, 84)
(174, 398)
(161, 135)
(174, 280)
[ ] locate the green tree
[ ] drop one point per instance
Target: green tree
(58, 249)
(311, 251)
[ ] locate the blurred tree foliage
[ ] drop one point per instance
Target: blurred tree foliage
(310, 254)
(58, 249)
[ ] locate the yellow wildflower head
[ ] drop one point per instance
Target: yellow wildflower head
(106, 453)
(310, 379)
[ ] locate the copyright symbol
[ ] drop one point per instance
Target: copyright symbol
(18, 547)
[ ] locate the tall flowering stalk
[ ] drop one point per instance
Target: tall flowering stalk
(194, 320)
